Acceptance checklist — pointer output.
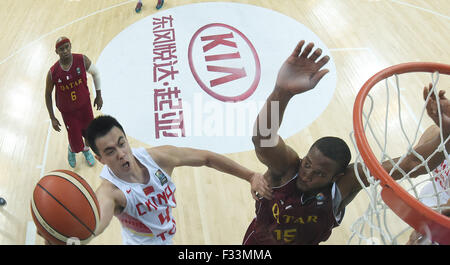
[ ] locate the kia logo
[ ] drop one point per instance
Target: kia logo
(226, 64)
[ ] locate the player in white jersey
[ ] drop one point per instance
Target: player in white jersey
(436, 192)
(137, 187)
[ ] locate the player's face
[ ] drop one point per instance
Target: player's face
(64, 51)
(316, 171)
(115, 152)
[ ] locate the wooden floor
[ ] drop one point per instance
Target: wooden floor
(364, 36)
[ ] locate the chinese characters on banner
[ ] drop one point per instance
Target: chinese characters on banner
(168, 105)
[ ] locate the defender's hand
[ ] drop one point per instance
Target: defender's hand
(432, 108)
(300, 72)
(259, 187)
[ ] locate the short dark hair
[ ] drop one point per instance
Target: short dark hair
(99, 127)
(336, 149)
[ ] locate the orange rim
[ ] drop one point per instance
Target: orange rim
(408, 208)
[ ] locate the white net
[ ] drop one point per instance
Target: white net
(394, 118)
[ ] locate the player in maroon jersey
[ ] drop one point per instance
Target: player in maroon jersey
(68, 77)
(310, 193)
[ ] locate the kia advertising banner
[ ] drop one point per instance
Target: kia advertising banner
(197, 75)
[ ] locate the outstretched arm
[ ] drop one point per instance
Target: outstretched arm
(427, 147)
(299, 73)
(109, 199)
(349, 185)
(169, 157)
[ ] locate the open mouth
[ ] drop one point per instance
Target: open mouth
(126, 165)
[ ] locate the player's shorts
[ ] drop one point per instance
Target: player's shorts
(76, 123)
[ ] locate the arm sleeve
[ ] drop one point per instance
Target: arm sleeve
(95, 75)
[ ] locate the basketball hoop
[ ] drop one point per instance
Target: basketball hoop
(404, 203)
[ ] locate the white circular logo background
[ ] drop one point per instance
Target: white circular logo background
(197, 75)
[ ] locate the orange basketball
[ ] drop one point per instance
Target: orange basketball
(64, 208)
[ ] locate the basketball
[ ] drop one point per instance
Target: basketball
(64, 208)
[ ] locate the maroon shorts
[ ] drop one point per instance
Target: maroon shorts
(76, 124)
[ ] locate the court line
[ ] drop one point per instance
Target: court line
(30, 236)
(61, 27)
(402, 99)
(44, 159)
(129, 1)
(31, 229)
(349, 49)
(422, 9)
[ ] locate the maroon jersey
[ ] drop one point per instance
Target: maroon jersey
(72, 91)
(289, 218)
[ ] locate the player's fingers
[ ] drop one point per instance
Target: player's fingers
(298, 48)
(307, 50)
(264, 182)
(425, 92)
(265, 192)
(259, 195)
(268, 195)
(316, 54)
(254, 195)
(317, 76)
(265, 186)
(429, 93)
(323, 61)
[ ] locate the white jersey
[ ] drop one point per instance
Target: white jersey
(440, 185)
(147, 217)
